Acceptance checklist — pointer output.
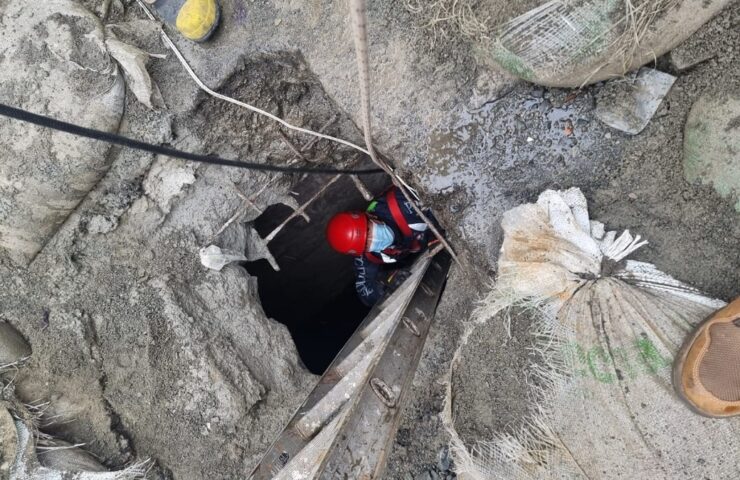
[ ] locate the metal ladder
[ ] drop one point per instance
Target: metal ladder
(346, 427)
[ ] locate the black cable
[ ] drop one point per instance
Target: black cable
(47, 122)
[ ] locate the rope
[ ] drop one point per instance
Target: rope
(358, 11)
(168, 41)
(113, 138)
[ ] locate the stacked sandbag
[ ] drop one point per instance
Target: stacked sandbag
(53, 61)
(26, 453)
(59, 455)
(605, 331)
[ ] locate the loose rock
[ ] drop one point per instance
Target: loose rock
(684, 59)
(690, 53)
(443, 461)
(629, 105)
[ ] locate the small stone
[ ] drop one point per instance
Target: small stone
(568, 129)
(100, 224)
(167, 178)
(690, 53)
(443, 459)
(629, 105)
(278, 21)
(403, 437)
(44, 320)
(682, 62)
(608, 135)
(632, 196)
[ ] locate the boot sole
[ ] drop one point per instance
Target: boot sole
(680, 360)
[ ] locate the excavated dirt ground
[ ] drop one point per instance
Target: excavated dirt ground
(630, 182)
(475, 142)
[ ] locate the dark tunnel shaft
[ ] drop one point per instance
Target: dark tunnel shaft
(313, 294)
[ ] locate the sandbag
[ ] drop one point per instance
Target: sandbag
(8, 441)
(570, 43)
(63, 456)
(53, 61)
(606, 330)
(27, 454)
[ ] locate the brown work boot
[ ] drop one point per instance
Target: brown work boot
(706, 373)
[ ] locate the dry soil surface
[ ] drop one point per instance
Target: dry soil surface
(150, 355)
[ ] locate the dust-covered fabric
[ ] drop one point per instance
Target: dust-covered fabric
(570, 43)
(607, 329)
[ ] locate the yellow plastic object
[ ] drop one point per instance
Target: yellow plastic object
(197, 19)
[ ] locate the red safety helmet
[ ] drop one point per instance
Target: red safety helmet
(347, 232)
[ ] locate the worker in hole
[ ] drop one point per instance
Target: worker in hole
(383, 239)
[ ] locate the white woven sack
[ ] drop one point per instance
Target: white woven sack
(23, 458)
(570, 43)
(607, 329)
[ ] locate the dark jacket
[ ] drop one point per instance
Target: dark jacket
(373, 270)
